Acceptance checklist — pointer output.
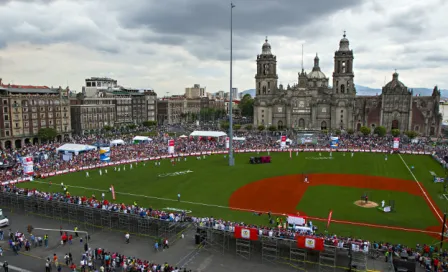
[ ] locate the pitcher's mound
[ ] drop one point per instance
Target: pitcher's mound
(368, 204)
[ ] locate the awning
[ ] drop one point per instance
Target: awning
(208, 134)
(142, 139)
(75, 148)
(116, 142)
(183, 136)
(239, 138)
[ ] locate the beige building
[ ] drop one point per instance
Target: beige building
(27, 109)
(195, 92)
(104, 103)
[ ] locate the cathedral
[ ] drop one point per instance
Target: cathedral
(311, 104)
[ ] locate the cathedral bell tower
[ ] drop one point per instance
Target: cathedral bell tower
(266, 77)
(343, 69)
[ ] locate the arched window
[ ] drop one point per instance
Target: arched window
(323, 125)
(394, 124)
(358, 127)
(280, 125)
(301, 123)
(264, 89)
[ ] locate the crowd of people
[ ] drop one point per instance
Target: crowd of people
(47, 159)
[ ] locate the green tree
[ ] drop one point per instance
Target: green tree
(47, 134)
(236, 126)
(107, 128)
(225, 125)
(380, 131)
(395, 132)
(149, 123)
(132, 126)
(260, 128)
(365, 130)
(350, 131)
(338, 132)
(411, 134)
(249, 127)
(272, 128)
(324, 131)
(246, 106)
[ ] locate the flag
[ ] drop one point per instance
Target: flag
(313, 243)
(112, 189)
(246, 233)
(329, 218)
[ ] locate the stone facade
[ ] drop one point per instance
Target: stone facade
(312, 104)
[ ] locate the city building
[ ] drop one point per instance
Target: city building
(311, 104)
(104, 103)
(235, 94)
(26, 109)
(195, 92)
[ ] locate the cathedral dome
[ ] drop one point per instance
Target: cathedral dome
(266, 48)
(316, 72)
(344, 43)
(395, 83)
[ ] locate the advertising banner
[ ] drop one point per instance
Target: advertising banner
(313, 243)
(283, 141)
(227, 142)
(396, 143)
(28, 165)
(105, 154)
(170, 146)
(334, 142)
(296, 220)
(246, 233)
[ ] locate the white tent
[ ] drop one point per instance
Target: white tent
(75, 148)
(116, 142)
(208, 134)
(141, 139)
(183, 136)
(239, 138)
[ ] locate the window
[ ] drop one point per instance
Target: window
(342, 116)
(17, 125)
(6, 117)
(5, 109)
(7, 133)
(43, 123)
(26, 124)
(5, 102)
(342, 111)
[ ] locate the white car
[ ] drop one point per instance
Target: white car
(4, 221)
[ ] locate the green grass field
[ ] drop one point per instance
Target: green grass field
(206, 190)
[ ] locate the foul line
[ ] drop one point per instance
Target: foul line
(265, 212)
(422, 190)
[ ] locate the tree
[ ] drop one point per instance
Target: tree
(324, 131)
(395, 132)
(365, 130)
(236, 126)
(272, 128)
(260, 128)
(338, 132)
(411, 134)
(350, 131)
(225, 125)
(107, 128)
(249, 127)
(246, 106)
(380, 131)
(149, 123)
(47, 134)
(132, 126)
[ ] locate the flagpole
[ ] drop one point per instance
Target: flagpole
(231, 159)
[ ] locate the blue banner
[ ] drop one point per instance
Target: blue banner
(334, 142)
(105, 154)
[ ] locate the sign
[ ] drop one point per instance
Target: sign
(28, 165)
(112, 190)
(246, 233)
(313, 243)
(396, 143)
(170, 146)
(334, 142)
(283, 141)
(177, 210)
(296, 220)
(105, 154)
(227, 142)
(330, 214)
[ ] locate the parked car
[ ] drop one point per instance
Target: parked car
(4, 221)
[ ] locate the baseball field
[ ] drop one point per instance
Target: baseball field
(209, 187)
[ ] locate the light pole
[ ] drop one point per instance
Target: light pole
(231, 158)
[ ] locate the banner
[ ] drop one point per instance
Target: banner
(439, 180)
(313, 243)
(28, 165)
(329, 218)
(296, 220)
(283, 141)
(170, 146)
(396, 143)
(112, 190)
(227, 142)
(334, 142)
(246, 233)
(105, 154)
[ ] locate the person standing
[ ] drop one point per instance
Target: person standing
(5, 266)
(178, 197)
(127, 237)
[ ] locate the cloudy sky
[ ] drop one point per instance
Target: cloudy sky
(171, 44)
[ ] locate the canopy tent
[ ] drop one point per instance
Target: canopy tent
(116, 142)
(183, 136)
(75, 148)
(141, 139)
(208, 134)
(239, 138)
